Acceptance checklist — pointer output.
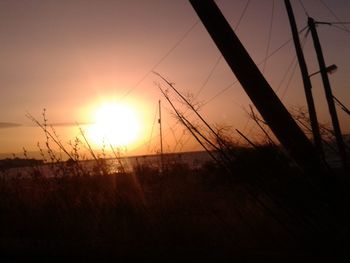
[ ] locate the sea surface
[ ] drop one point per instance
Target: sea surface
(192, 159)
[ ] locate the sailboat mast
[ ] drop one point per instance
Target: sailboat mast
(328, 92)
(160, 135)
(306, 80)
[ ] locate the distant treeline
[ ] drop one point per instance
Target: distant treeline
(18, 162)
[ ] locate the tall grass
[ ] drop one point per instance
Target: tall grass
(261, 210)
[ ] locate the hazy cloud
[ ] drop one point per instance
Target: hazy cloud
(9, 125)
(4, 125)
(67, 124)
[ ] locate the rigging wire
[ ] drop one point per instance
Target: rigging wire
(334, 15)
(215, 64)
(302, 5)
(291, 68)
(242, 15)
(183, 37)
(292, 65)
(269, 56)
(269, 35)
(345, 30)
(339, 23)
(174, 47)
(220, 56)
(209, 76)
(187, 140)
(236, 81)
(289, 80)
(179, 141)
(173, 133)
(303, 42)
(286, 73)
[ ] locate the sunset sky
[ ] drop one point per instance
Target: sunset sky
(72, 56)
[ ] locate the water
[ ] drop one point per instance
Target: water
(192, 159)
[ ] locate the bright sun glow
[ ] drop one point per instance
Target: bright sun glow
(115, 124)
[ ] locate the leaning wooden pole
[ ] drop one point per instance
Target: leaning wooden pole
(329, 95)
(258, 89)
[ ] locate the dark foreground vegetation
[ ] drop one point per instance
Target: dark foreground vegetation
(264, 210)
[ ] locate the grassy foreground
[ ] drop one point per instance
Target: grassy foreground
(262, 212)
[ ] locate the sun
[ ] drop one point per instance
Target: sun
(114, 123)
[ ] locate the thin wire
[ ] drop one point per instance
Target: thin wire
(236, 81)
(286, 74)
(273, 53)
(183, 37)
(293, 69)
(216, 63)
(209, 76)
(269, 35)
(345, 30)
(242, 15)
(173, 133)
(333, 14)
(339, 23)
(289, 80)
(185, 142)
(220, 56)
(305, 11)
(212, 70)
(173, 48)
(220, 92)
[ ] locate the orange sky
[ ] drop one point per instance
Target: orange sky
(68, 56)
